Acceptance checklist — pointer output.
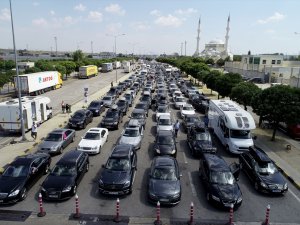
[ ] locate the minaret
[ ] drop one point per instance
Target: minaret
(196, 54)
(227, 36)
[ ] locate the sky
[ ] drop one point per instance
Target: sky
(151, 26)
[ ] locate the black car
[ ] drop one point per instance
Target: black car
(80, 119)
(188, 121)
(199, 140)
(164, 181)
(20, 175)
(64, 178)
(143, 105)
(119, 171)
(113, 92)
(112, 118)
(146, 98)
(200, 104)
(220, 181)
(140, 115)
(262, 171)
(96, 107)
(123, 105)
(165, 143)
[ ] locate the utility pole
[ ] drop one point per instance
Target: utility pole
(55, 39)
(92, 47)
(185, 48)
(181, 48)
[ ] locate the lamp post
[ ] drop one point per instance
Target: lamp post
(18, 78)
(55, 39)
(115, 36)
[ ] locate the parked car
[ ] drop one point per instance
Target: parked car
(164, 181)
(143, 105)
(123, 105)
(178, 102)
(199, 140)
(186, 109)
(64, 178)
(132, 134)
(113, 92)
(165, 143)
(93, 140)
(129, 98)
(165, 122)
(56, 141)
(118, 173)
(80, 119)
(220, 181)
(262, 171)
(140, 115)
(162, 110)
(112, 118)
(96, 107)
(108, 101)
(201, 105)
(20, 175)
(189, 120)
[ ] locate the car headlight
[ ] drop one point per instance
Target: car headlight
(96, 110)
(239, 199)
(152, 195)
(263, 185)
(215, 198)
(115, 123)
(100, 183)
(235, 146)
(67, 189)
(54, 148)
(14, 193)
(79, 148)
(43, 189)
(127, 184)
(173, 151)
(157, 150)
(176, 195)
(94, 148)
(285, 186)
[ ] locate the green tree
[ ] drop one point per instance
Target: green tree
(44, 65)
(226, 82)
(70, 67)
(211, 78)
(32, 70)
(210, 61)
(243, 93)
(220, 62)
(10, 64)
(61, 69)
(78, 56)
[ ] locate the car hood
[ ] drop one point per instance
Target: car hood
(76, 120)
(187, 112)
(88, 143)
(242, 142)
(114, 177)
(49, 144)
(275, 178)
(227, 192)
(165, 149)
(164, 187)
(160, 114)
(58, 182)
(9, 184)
(109, 119)
(203, 144)
(106, 101)
(180, 103)
(93, 108)
(164, 127)
(130, 140)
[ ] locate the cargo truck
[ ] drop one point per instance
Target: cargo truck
(88, 71)
(107, 67)
(127, 68)
(116, 65)
(35, 108)
(38, 83)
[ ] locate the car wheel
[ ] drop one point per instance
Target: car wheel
(256, 186)
(87, 167)
(47, 169)
(74, 190)
(99, 150)
(60, 150)
(227, 148)
(23, 193)
(84, 125)
(73, 138)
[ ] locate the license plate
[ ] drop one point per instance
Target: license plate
(53, 196)
(276, 190)
(112, 193)
(164, 200)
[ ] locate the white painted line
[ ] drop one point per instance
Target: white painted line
(184, 158)
(296, 197)
(192, 185)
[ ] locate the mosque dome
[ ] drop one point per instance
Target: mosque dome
(216, 41)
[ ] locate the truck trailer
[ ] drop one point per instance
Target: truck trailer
(231, 124)
(88, 71)
(116, 65)
(35, 108)
(107, 67)
(38, 83)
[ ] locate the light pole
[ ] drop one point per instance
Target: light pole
(115, 36)
(18, 78)
(92, 47)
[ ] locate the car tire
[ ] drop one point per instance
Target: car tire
(227, 149)
(99, 150)
(73, 138)
(23, 193)
(47, 169)
(60, 150)
(84, 125)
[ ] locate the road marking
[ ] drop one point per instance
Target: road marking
(192, 185)
(184, 158)
(296, 197)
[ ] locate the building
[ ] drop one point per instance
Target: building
(25, 65)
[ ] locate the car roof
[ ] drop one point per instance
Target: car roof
(95, 130)
(121, 151)
(165, 116)
(28, 159)
(70, 157)
(187, 105)
(199, 126)
(216, 163)
(81, 111)
(133, 123)
(164, 133)
(162, 161)
(258, 154)
(138, 110)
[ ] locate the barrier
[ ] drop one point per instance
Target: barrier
(230, 222)
(266, 222)
(77, 214)
(157, 221)
(191, 221)
(117, 217)
(42, 213)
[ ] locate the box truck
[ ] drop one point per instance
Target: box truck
(127, 68)
(116, 65)
(38, 83)
(88, 71)
(35, 108)
(231, 124)
(107, 67)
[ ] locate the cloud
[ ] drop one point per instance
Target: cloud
(5, 14)
(140, 26)
(40, 22)
(35, 3)
(168, 21)
(80, 7)
(186, 12)
(155, 12)
(276, 17)
(95, 16)
(270, 31)
(115, 9)
(52, 13)
(113, 28)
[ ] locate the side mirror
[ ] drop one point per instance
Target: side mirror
(235, 169)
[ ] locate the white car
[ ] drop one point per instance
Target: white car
(164, 122)
(187, 109)
(179, 102)
(93, 140)
(162, 110)
(176, 94)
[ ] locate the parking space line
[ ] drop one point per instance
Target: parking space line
(184, 158)
(296, 197)
(192, 185)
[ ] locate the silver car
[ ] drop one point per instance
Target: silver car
(57, 140)
(133, 134)
(108, 101)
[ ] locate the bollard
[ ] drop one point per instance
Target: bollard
(266, 222)
(230, 222)
(191, 222)
(42, 212)
(117, 217)
(157, 221)
(77, 214)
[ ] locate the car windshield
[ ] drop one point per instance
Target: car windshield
(203, 137)
(137, 115)
(187, 108)
(265, 168)
(16, 171)
(63, 170)
(166, 173)
(145, 98)
(131, 133)
(92, 136)
(222, 178)
(107, 98)
(165, 140)
(162, 109)
(128, 97)
(192, 119)
(140, 106)
(120, 164)
(78, 115)
(95, 104)
(164, 122)
(111, 114)
(121, 103)
(54, 137)
(179, 100)
(240, 134)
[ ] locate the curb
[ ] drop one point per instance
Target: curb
(297, 185)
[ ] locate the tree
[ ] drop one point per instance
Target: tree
(243, 93)
(78, 56)
(32, 70)
(220, 62)
(210, 79)
(210, 61)
(61, 69)
(277, 104)
(226, 82)
(10, 64)
(44, 65)
(70, 67)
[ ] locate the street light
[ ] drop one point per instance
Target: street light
(18, 78)
(115, 36)
(55, 39)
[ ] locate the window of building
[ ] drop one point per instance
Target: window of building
(250, 60)
(256, 60)
(273, 61)
(264, 61)
(245, 60)
(278, 61)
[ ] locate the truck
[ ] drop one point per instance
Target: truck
(127, 68)
(88, 71)
(106, 67)
(38, 83)
(35, 108)
(116, 65)
(231, 124)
